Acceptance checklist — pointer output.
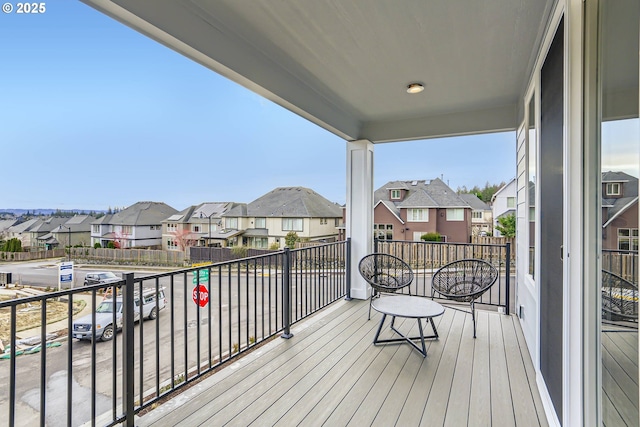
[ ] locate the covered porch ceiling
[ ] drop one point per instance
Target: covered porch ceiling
(345, 65)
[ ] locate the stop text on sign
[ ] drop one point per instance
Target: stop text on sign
(201, 295)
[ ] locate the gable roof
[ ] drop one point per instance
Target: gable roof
(505, 188)
(391, 207)
(143, 213)
(619, 207)
(421, 194)
(298, 202)
(475, 203)
(24, 226)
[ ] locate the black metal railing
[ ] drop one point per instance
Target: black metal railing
(210, 316)
(425, 258)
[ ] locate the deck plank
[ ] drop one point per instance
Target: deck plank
(458, 404)
(524, 408)
(413, 409)
(436, 408)
(501, 400)
(480, 400)
(530, 373)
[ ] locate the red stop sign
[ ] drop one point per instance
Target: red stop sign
(201, 295)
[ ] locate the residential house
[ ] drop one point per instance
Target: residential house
(481, 215)
(5, 224)
(41, 232)
(21, 232)
(503, 203)
(195, 226)
(75, 231)
(267, 220)
(619, 211)
(556, 73)
(406, 210)
(137, 226)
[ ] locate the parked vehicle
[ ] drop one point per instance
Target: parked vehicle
(100, 278)
(151, 301)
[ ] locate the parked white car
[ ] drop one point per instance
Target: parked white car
(105, 330)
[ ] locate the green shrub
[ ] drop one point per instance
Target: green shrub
(431, 237)
(291, 239)
(97, 245)
(111, 245)
(274, 246)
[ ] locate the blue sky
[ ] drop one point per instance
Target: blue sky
(95, 115)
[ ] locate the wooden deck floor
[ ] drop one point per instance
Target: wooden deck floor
(619, 376)
(331, 374)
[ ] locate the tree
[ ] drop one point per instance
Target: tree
(12, 245)
(183, 238)
(507, 225)
(290, 239)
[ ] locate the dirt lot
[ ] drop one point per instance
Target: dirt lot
(30, 315)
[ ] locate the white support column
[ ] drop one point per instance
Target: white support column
(359, 210)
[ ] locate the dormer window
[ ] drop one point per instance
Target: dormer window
(613, 189)
(396, 194)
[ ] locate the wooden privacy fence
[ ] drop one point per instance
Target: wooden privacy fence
(129, 256)
(30, 256)
(622, 263)
(433, 255)
(214, 255)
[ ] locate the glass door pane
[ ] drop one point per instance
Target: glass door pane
(619, 144)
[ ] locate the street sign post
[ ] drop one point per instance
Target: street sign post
(201, 295)
(200, 276)
(65, 274)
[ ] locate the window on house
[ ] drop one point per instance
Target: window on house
(476, 214)
(261, 223)
(171, 227)
(338, 222)
(628, 239)
(395, 194)
(96, 228)
(171, 244)
(261, 243)
(383, 231)
(511, 202)
(613, 189)
(127, 229)
(291, 224)
(231, 223)
(196, 228)
(455, 214)
(418, 215)
(323, 221)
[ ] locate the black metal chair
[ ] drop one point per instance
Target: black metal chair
(464, 280)
(619, 298)
(385, 273)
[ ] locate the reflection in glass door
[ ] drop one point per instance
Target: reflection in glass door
(619, 142)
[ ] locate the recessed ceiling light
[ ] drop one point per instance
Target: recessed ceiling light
(415, 88)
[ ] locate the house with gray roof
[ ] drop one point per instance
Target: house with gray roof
(481, 215)
(406, 210)
(503, 203)
(21, 231)
(619, 211)
(197, 225)
(137, 226)
(5, 224)
(265, 222)
(75, 231)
